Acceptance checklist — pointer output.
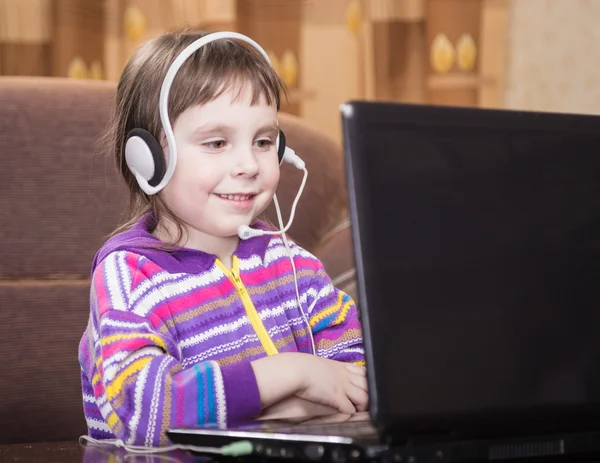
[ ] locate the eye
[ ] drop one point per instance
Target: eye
(215, 144)
(264, 144)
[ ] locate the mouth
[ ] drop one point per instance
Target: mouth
(237, 197)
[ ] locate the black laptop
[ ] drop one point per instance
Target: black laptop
(477, 244)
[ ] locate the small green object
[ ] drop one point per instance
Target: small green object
(237, 449)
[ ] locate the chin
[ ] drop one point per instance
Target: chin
(228, 231)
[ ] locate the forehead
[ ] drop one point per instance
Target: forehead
(235, 106)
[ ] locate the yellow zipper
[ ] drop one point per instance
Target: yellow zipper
(255, 321)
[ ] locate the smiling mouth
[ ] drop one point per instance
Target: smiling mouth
(236, 197)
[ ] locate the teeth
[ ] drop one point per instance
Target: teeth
(236, 197)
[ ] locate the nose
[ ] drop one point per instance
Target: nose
(245, 164)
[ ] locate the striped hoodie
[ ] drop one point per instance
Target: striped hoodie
(171, 334)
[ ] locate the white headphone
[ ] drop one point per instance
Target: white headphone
(143, 153)
(146, 161)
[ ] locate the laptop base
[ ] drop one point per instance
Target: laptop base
(548, 448)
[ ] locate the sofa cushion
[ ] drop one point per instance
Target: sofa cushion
(40, 328)
(58, 197)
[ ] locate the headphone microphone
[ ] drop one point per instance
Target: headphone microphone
(245, 232)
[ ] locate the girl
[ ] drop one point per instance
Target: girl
(189, 324)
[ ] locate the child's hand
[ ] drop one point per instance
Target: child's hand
(295, 407)
(342, 386)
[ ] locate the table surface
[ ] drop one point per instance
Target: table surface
(73, 452)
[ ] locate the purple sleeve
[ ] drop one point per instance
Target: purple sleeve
(241, 392)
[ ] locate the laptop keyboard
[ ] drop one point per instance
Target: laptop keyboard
(353, 429)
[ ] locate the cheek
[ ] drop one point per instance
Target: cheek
(196, 174)
(271, 175)
(186, 186)
(172, 195)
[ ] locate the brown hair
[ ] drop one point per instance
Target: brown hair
(206, 74)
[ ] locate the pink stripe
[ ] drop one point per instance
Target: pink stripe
(197, 297)
(103, 303)
(161, 311)
(127, 345)
(98, 389)
(283, 266)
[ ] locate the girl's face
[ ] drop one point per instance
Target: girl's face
(227, 166)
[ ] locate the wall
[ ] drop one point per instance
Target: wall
(553, 56)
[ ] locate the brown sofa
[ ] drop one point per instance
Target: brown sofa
(58, 200)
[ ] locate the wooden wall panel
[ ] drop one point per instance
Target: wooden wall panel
(453, 18)
(338, 49)
(114, 56)
(25, 59)
(276, 25)
(78, 37)
(399, 63)
(494, 24)
(394, 10)
(25, 37)
(128, 23)
(332, 63)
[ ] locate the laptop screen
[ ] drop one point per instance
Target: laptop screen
(477, 237)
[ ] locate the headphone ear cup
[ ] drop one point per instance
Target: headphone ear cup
(281, 146)
(144, 155)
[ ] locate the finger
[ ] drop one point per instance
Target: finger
(358, 397)
(360, 416)
(359, 381)
(343, 404)
(363, 408)
(337, 418)
(335, 398)
(358, 370)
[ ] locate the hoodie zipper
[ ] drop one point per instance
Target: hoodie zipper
(253, 317)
